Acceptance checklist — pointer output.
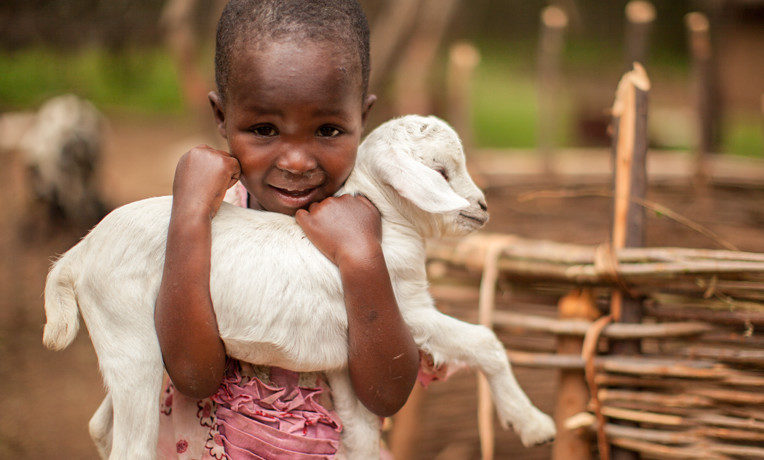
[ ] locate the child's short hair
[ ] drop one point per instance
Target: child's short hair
(342, 21)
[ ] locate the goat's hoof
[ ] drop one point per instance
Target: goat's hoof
(537, 430)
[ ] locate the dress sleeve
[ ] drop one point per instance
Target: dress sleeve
(428, 371)
(236, 195)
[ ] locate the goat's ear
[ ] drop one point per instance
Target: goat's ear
(421, 185)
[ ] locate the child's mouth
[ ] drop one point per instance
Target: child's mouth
(295, 193)
(296, 198)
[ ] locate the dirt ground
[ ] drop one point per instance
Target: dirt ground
(46, 398)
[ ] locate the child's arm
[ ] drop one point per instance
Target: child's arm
(383, 359)
(185, 321)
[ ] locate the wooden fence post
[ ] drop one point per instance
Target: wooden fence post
(699, 40)
(630, 184)
(462, 60)
(572, 392)
(640, 15)
(412, 85)
(182, 41)
(486, 306)
(551, 41)
(388, 35)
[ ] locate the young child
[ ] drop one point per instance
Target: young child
(291, 101)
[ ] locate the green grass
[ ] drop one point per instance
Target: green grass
(136, 80)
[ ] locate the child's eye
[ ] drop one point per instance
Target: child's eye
(264, 130)
(328, 131)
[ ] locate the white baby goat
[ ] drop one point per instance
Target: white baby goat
(263, 267)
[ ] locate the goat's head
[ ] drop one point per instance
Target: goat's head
(422, 159)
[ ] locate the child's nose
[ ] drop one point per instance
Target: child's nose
(296, 160)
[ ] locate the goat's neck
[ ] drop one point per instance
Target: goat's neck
(397, 225)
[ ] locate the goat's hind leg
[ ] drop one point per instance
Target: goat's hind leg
(100, 427)
(449, 339)
(134, 388)
(360, 427)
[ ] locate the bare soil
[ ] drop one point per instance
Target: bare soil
(46, 398)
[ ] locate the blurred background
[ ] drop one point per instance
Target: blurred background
(529, 88)
(126, 58)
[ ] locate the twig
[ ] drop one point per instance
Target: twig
(647, 204)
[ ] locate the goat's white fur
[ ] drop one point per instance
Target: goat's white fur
(264, 267)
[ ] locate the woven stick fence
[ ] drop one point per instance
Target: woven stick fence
(697, 388)
(657, 348)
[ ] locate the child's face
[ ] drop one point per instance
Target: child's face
(293, 117)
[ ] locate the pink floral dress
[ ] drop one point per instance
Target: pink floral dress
(258, 412)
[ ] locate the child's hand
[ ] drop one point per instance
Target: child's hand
(343, 228)
(201, 179)
(382, 356)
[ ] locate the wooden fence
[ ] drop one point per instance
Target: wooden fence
(657, 348)
(693, 390)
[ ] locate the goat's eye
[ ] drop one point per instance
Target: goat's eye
(442, 172)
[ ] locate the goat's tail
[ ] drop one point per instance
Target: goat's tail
(61, 308)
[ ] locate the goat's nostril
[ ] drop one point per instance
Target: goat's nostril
(483, 205)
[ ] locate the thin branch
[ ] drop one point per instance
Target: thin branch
(647, 204)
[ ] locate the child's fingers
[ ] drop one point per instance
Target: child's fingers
(235, 175)
(301, 217)
(365, 200)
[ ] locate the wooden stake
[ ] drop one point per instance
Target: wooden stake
(698, 30)
(554, 21)
(388, 33)
(640, 15)
(412, 85)
(182, 40)
(630, 183)
(572, 392)
(462, 60)
(630, 153)
(630, 177)
(485, 317)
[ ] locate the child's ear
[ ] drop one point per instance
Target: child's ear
(367, 104)
(218, 111)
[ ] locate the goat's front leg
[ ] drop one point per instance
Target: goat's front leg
(449, 340)
(360, 427)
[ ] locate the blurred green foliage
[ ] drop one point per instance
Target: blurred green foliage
(505, 109)
(505, 99)
(744, 136)
(143, 80)
(140, 80)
